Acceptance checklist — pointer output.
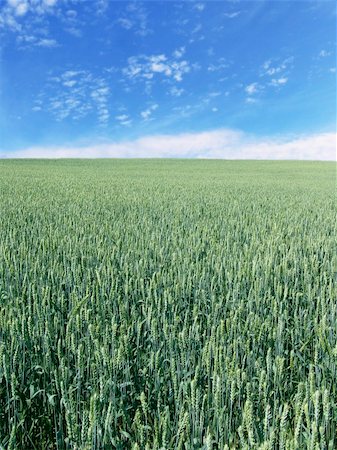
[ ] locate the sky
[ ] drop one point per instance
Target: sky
(209, 79)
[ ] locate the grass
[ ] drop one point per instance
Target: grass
(166, 304)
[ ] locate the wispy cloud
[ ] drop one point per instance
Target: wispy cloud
(273, 73)
(135, 18)
(20, 8)
(29, 20)
(251, 100)
(179, 52)
(26, 20)
(48, 43)
(252, 88)
(124, 119)
(279, 81)
(102, 6)
(125, 23)
(214, 94)
(29, 41)
(219, 65)
(217, 144)
(146, 114)
(176, 92)
(199, 6)
(324, 53)
(147, 67)
(100, 97)
(74, 94)
(232, 15)
(273, 67)
(72, 23)
(197, 28)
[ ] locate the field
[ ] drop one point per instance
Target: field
(165, 304)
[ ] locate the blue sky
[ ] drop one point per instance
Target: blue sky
(220, 79)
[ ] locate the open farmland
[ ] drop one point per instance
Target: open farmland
(161, 304)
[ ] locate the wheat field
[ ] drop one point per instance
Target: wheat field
(166, 304)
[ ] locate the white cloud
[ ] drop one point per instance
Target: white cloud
(217, 144)
(161, 67)
(176, 92)
(50, 2)
(197, 28)
(125, 23)
(252, 88)
(145, 114)
(48, 43)
(70, 73)
(100, 97)
(135, 18)
(71, 13)
(279, 81)
(27, 19)
(219, 65)
(124, 119)
(179, 52)
(21, 9)
(179, 69)
(27, 40)
(102, 6)
(251, 100)
(277, 73)
(146, 67)
(324, 53)
(232, 15)
(274, 67)
(199, 6)
(69, 83)
(148, 112)
(157, 65)
(13, 3)
(214, 94)
(74, 94)
(268, 70)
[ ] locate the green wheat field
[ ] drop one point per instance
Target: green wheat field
(168, 304)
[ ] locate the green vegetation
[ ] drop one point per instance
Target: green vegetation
(159, 304)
